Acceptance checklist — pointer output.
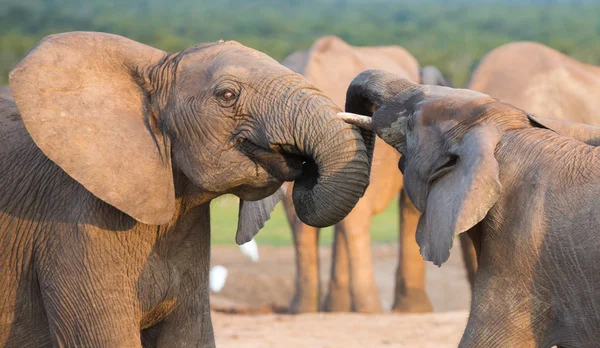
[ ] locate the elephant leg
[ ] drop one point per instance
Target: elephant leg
(469, 257)
(188, 323)
(357, 229)
(338, 295)
(308, 281)
(502, 318)
(80, 317)
(307, 292)
(409, 293)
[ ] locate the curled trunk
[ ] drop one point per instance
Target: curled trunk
(385, 93)
(337, 173)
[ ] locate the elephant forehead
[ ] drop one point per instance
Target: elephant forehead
(456, 107)
(234, 59)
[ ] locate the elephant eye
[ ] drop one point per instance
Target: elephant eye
(227, 95)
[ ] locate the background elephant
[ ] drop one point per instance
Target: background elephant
(541, 81)
(524, 188)
(331, 64)
(5, 92)
(108, 169)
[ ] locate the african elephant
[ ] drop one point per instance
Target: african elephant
(110, 159)
(331, 64)
(523, 187)
(5, 92)
(541, 81)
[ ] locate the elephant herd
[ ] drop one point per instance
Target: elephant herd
(111, 152)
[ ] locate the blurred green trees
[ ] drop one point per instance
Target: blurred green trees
(451, 34)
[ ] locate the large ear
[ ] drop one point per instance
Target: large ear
(82, 100)
(430, 75)
(461, 198)
(580, 131)
(253, 215)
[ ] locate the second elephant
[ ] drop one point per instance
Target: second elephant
(331, 64)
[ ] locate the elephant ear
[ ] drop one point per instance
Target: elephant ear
(83, 102)
(430, 75)
(580, 131)
(253, 215)
(461, 198)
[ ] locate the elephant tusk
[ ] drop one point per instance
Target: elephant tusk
(364, 122)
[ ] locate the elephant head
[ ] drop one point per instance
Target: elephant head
(448, 139)
(129, 122)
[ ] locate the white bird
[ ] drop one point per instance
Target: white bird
(250, 249)
(218, 274)
(217, 277)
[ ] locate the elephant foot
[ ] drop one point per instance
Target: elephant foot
(368, 306)
(338, 300)
(366, 302)
(304, 304)
(414, 301)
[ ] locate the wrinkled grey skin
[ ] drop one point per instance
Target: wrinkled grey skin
(524, 187)
(110, 159)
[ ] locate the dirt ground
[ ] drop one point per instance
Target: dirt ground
(260, 287)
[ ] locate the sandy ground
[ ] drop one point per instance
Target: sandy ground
(269, 283)
(329, 330)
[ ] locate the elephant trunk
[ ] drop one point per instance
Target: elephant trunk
(336, 173)
(384, 96)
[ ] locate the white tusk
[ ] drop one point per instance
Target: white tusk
(364, 122)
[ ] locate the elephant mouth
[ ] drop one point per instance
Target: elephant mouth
(282, 165)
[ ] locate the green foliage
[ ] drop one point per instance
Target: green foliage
(384, 228)
(452, 35)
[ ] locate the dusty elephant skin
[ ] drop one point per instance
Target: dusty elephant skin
(331, 64)
(523, 190)
(110, 158)
(541, 81)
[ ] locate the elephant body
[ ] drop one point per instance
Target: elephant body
(78, 272)
(541, 81)
(523, 187)
(111, 154)
(331, 64)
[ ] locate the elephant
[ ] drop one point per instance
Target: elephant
(5, 92)
(524, 189)
(541, 81)
(330, 63)
(110, 156)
